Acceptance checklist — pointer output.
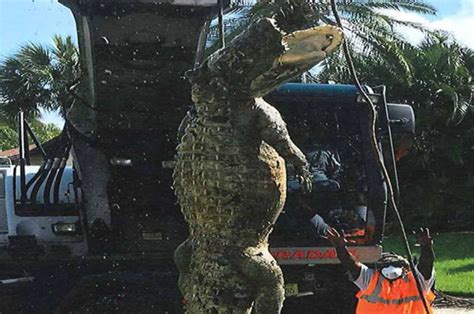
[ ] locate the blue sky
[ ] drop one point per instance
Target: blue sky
(38, 20)
(454, 16)
(446, 7)
(27, 20)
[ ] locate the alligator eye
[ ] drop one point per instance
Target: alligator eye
(330, 37)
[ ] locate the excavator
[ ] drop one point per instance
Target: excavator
(95, 226)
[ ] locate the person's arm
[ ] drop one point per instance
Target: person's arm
(347, 260)
(426, 262)
(335, 165)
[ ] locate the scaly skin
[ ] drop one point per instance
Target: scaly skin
(230, 176)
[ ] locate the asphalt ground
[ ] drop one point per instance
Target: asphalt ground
(453, 311)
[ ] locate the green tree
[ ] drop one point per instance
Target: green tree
(44, 132)
(38, 77)
(443, 155)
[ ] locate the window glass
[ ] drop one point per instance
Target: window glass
(330, 137)
(2, 184)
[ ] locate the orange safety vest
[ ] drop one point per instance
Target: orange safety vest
(396, 297)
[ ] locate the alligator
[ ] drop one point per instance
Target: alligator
(230, 175)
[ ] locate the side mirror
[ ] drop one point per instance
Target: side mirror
(401, 119)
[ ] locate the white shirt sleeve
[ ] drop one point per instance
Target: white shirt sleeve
(426, 284)
(366, 275)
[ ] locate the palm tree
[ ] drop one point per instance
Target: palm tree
(373, 32)
(442, 97)
(442, 73)
(38, 77)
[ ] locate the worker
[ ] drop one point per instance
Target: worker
(390, 287)
(324, 167)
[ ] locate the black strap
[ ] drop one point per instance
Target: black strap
(92, 142)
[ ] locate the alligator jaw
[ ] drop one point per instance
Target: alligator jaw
(310, 46)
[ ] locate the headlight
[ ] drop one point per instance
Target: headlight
(66, 228)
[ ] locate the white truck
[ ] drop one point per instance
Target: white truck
(48, 218)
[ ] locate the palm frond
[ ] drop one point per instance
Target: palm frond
(421, 7)
(36, 77)
(65, 51)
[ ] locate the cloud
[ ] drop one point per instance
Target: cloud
(460, 27)
(459, 24)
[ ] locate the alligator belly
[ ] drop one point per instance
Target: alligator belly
(240, 192)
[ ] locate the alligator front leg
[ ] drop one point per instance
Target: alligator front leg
(274, 132)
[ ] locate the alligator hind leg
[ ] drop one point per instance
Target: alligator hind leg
(262, 271)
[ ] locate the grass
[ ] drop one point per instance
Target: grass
(454, 262)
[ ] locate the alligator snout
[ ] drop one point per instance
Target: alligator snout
(310, 46)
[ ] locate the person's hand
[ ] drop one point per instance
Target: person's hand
(337, 239)
(423, 237)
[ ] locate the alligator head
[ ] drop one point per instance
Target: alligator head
(310, 46)
(303, 50)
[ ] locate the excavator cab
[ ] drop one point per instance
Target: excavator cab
(330, 124)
